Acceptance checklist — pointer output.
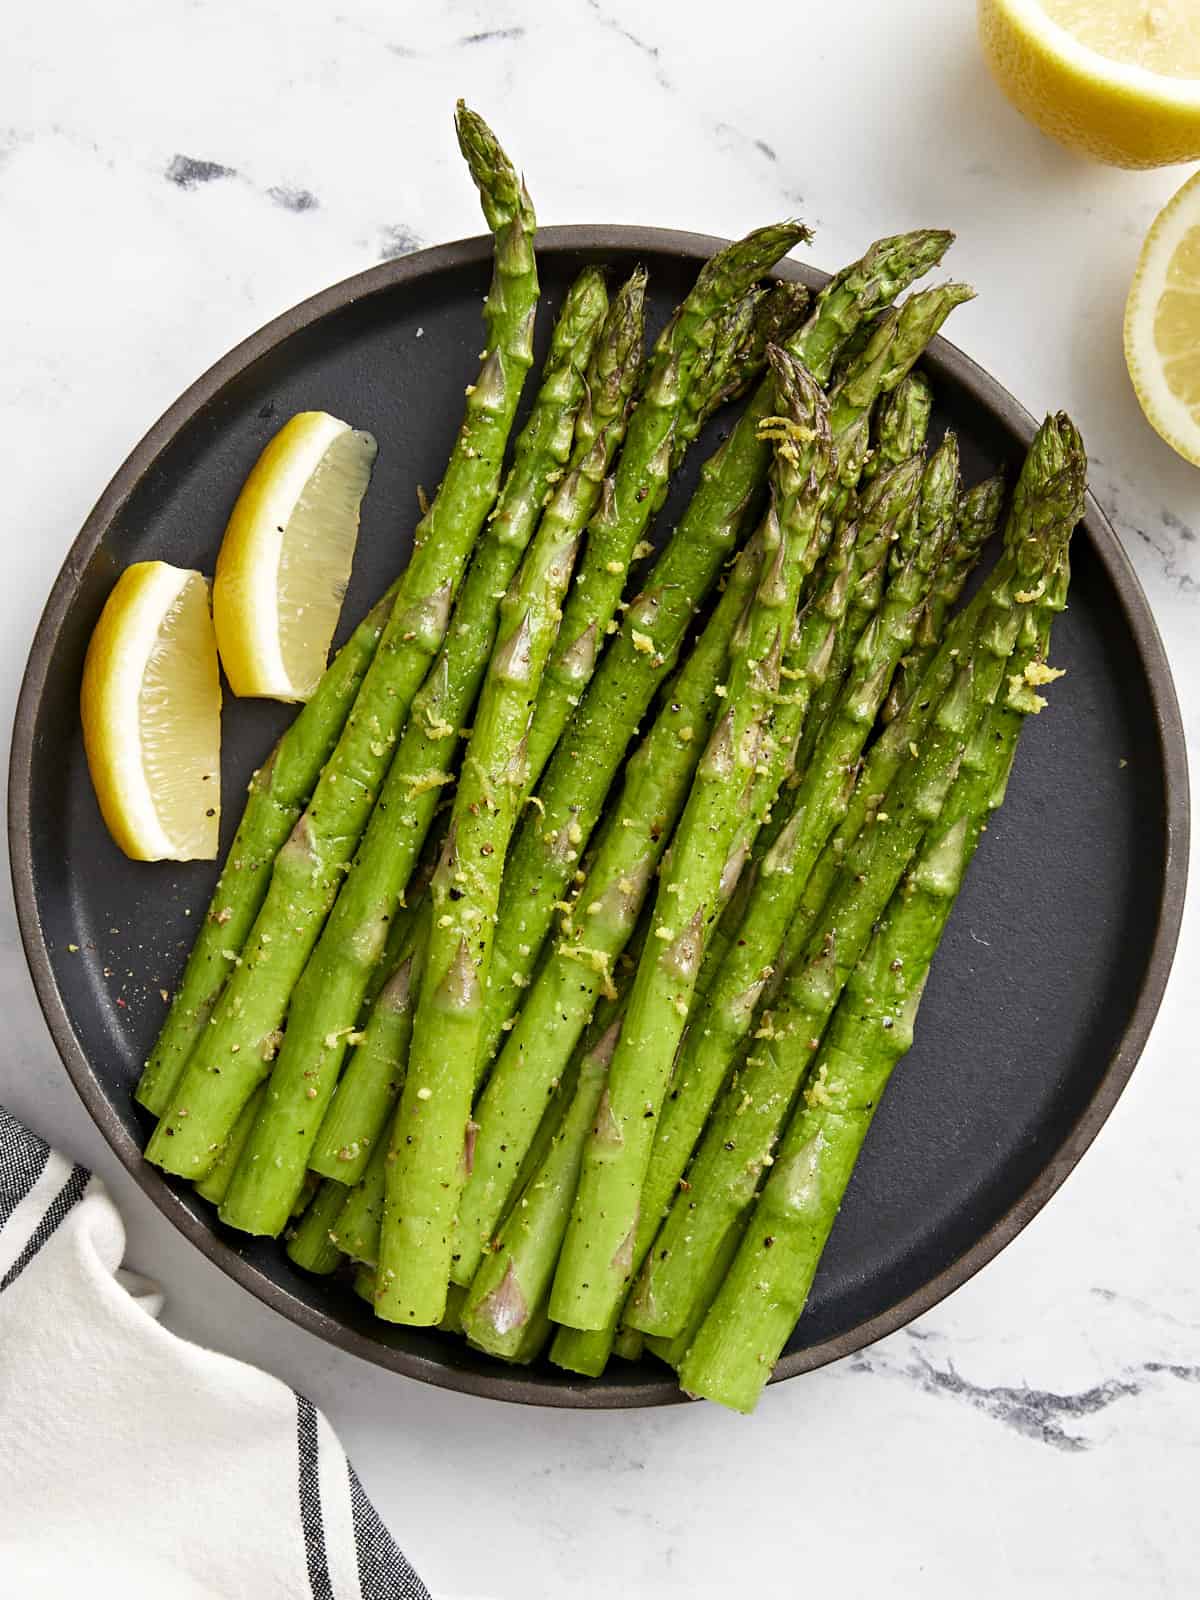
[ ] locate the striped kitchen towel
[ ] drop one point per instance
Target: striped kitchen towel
(134, 1463)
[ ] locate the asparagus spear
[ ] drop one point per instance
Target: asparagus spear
(214, 1184)
(514, 1280)
(641, 478)
(978, 516)
(875, 657)
(598, 924)
(1053, 449)
(732, 1353)
(330, 991)
(548, 846)
(587, 1352)
(672, 1351)
(598, 1246)
(884, 509)
(738, 355)
(812, 810)
(425, 1182)
(728, 1004)
(579, 970)
(310, 1245)
(901, 423)
(368, 1089)
(355, 1229)
(810, 658)
(234, 1052)
(745, 1125)
(278, 792)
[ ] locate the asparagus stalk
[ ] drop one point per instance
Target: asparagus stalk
(642, 473)
(213, 1185)
(891, 496)
(310, 1245)
(370, 1086)
(425, 1182)
(812, 810)
(733, 1351)
(901, 424)
(330, 991)
(1054, 448)
(728, 1004)
(672, 1351)
(355, 1229)
(705, 857)
(745, 1126)
(551, 840)
(900, 432)
(738, 356)
(884, 509)
(598, 924)
(234, 1052)
(514, 1280)
(978, 517)
(278, 792)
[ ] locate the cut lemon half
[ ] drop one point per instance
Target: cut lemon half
(151, 709)
(286, 557)
(1118, 80)
(1162, 323)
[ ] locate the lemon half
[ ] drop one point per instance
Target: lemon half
(151, 709)
(1118, 80)
(287, 554)
(1162, 323)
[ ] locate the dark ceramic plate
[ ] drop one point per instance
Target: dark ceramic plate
(1052, 967)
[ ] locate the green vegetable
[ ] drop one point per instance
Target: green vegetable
(310, 1245)
(514, 1281)
(598, 924)
(279, 791)
(214, 1184)
(235, 1050)
(731, 1354)
(640, 482)
(978, 517)
(367, 1091)
(746, 1123)
(553, 835)
(426, 1179)
(329, 994)
(706, 855)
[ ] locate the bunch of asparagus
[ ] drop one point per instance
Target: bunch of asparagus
(574, 927)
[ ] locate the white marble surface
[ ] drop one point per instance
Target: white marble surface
(1040, 1431)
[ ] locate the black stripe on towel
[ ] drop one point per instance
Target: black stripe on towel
(383, 1570)
(311, 1518)
(23, 1158)
(68, 1196)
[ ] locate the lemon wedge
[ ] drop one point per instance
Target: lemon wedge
(1118, 80)
(151, 709)
(286, 556)
(1162, 323)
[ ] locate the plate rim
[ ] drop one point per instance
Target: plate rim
(515, 1387)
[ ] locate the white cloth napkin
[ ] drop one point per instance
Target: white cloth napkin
(132, 1462)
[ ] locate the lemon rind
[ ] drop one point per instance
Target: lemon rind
(1071, 53)
(1165, 412)
(112, 690)
(246, 590)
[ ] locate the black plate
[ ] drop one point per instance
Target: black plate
(1052, 967)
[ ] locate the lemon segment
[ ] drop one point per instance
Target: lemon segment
(151, 711)
(286, 556)
(1162, 323)
(1117, 80)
